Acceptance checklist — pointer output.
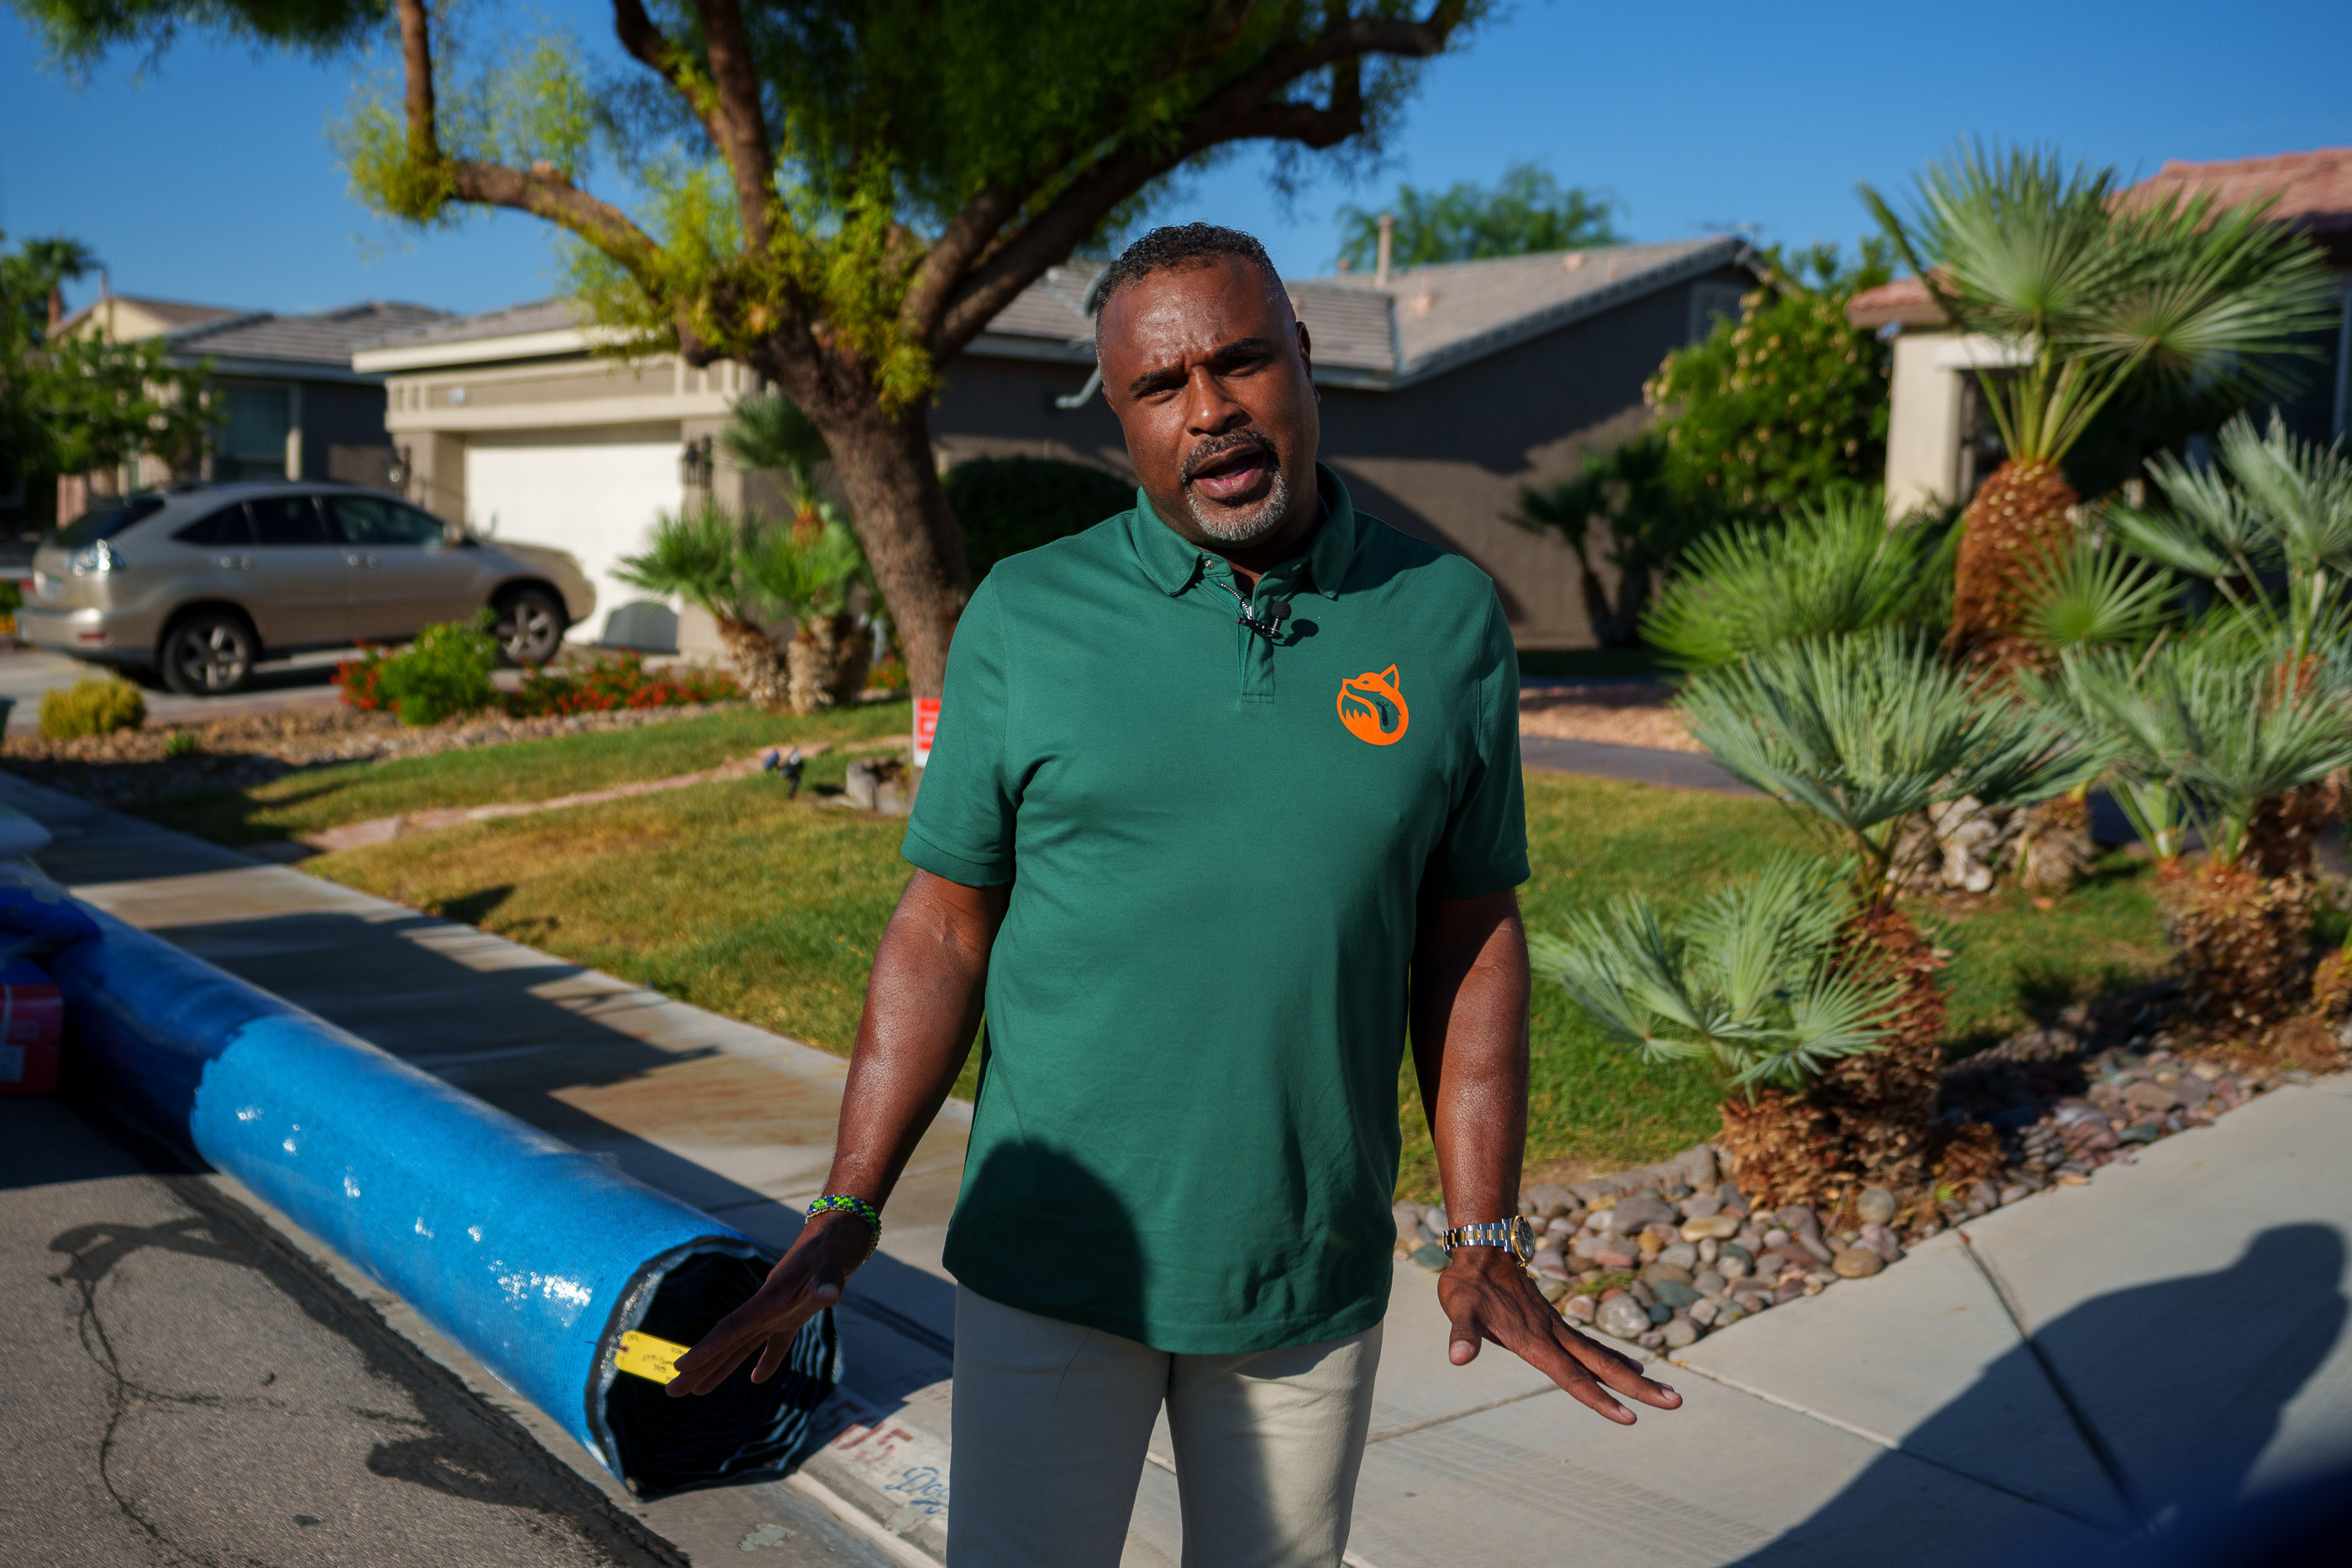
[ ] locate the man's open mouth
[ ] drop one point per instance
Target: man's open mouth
(1233, 473)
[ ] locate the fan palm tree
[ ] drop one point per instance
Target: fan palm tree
(2284, 511)
(2216, 732)
(2089, 293)
(1860, 731)
(827, 659)
(1835, 565)
(697, 554)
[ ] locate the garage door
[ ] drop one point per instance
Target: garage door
(592, 496)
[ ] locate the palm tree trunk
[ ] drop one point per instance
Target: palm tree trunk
(757, 663)
(2016, 526)
(825, 661)
(1869, 1118)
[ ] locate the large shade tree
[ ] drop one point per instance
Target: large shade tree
(839, 195)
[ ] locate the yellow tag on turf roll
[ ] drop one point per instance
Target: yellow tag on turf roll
(642, 1355)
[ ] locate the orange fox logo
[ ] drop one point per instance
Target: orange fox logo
(1373, 709)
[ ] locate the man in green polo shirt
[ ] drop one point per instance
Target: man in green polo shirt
(1224, 798)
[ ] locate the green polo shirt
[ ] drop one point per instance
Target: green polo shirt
(1186, 1132)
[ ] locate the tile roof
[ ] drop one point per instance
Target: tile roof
(325, 339)
(512, 321)
(171, 312)
(1902, 303)
(2313, 190)
(1426, 321)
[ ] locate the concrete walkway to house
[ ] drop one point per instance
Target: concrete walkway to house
(2079, 1362)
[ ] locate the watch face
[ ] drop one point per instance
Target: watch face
(1523, 1238)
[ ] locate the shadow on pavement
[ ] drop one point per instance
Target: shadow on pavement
(2176, 1387)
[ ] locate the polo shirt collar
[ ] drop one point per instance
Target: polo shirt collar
(1175, 563)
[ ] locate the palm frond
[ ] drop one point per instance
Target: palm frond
(693, 554)
(1753, 980)
(1866, 728)
(803, 578)
(1834, 567)
(2209, 728)
(772, 434)
(2091, 597)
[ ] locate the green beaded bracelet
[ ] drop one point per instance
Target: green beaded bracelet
(843, 1203)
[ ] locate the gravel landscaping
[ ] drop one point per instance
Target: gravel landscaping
(1621, 713)
(1662, 1255)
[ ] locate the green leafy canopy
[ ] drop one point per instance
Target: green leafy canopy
(1526, 211)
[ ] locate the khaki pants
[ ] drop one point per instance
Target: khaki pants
(1052, 1420)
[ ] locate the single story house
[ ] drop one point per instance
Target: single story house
(1446, 390)
(1941, 444)
(293, 406)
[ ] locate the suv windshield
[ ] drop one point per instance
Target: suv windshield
(105, 522)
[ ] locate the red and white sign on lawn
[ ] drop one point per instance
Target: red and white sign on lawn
(927, 724)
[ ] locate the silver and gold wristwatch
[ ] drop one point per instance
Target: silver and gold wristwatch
(1515, 1236)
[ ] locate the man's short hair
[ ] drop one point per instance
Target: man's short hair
(1182, 245)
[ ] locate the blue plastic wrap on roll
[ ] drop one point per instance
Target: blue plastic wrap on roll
(531, 1255)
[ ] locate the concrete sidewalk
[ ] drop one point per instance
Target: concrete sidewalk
(2070, 1365)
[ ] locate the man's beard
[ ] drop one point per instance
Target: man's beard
(1225, 524)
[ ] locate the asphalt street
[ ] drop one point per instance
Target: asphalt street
(185, 1387)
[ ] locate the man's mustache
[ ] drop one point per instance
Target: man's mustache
(1218, 446)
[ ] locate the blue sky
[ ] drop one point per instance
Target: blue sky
(211, 180)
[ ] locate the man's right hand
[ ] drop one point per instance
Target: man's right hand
(806, 1280)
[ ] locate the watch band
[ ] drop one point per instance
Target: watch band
(1514, 1236)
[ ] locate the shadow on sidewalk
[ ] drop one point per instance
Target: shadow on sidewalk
(2176, 1388)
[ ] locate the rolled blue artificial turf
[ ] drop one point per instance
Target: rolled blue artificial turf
(532, 1256)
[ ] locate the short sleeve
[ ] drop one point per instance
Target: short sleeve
(961, 826)
(1484, 849)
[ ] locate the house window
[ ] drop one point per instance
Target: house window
(253, 438)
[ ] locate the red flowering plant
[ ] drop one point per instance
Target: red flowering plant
(605, 683)
(361, 681)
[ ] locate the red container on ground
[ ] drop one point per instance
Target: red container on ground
(32, 1026)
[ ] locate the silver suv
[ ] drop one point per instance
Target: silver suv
(201, 584)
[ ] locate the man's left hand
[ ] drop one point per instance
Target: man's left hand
(1488, 1297)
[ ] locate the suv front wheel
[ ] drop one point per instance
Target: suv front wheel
(529, 626)
(209, 655)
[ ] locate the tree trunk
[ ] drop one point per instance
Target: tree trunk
(2013, 530)
(911, 539)
(757, 663)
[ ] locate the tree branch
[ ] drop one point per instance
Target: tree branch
(543, 191)
(1247, 108)
(416, 67)
(742, 124)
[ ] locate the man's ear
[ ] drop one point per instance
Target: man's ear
(1305, 348)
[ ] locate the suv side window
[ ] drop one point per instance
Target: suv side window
(374, 520)
(229, 526)
(288, 520)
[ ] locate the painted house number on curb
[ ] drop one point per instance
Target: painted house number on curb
(902, 1464)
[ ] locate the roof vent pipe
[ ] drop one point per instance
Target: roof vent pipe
(1387, 237)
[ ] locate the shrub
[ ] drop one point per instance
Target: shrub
(100, 706)
(1008, 504)
(444, 674)
(608, 682)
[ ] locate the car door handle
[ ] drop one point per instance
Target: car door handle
(361, 559)
(238, 562)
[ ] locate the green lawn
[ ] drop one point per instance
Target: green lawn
(730, 897)
(526, 771)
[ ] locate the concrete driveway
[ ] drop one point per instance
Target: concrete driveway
(299, 682)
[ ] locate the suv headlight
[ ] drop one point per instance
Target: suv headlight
(92, 559)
